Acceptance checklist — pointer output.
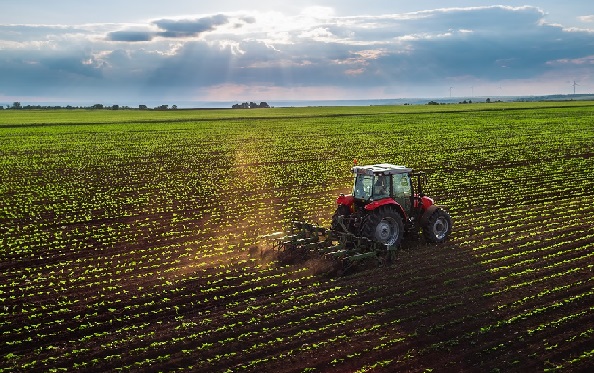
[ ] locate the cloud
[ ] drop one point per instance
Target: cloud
(172, 28)
(31, 37)
(131, 36)
(184, 28)
(291, 53)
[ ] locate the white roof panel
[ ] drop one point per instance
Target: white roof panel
(381, 169)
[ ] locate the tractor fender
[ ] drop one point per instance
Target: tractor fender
(423, 202)
(386, 201)
(428, 212)
(347, 200)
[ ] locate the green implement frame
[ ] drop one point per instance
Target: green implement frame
(305, 241)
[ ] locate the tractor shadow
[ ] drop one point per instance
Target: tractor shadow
(433, 297)
(436, 293)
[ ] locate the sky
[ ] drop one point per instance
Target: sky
(133, 51)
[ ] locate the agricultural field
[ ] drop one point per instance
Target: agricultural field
(130, 241)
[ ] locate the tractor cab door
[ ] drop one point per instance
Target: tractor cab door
(402, 191)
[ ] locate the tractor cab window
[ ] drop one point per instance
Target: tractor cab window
(367, 187)
(363, 187)
(402, 190)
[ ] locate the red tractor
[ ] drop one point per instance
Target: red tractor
(386, 202)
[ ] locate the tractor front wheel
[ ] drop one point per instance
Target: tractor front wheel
(384, 225)
(438, 227)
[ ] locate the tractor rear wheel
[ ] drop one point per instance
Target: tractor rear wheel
(384, 225)
(438, 227)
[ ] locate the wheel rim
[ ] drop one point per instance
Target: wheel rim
(440, 228)
(387, 231)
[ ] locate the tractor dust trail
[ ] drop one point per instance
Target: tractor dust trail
(238, 244)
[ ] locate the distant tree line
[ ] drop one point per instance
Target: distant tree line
(488, 101)
(251, 105)
(18, 106)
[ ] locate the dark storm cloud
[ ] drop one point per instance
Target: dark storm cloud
(184, 28)
(48, 74)
(495, 18)
(131, 36)
(169, 28)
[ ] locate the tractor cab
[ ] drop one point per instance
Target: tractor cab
(377, 182)
(387, 200)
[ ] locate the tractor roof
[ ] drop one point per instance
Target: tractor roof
(381, 169)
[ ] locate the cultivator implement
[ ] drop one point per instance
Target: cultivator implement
(304, 241)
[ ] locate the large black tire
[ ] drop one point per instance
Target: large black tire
(438, 227)
(384, 225)
(340, 210)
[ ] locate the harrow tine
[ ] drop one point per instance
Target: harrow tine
(337, 254)
(362, 256)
